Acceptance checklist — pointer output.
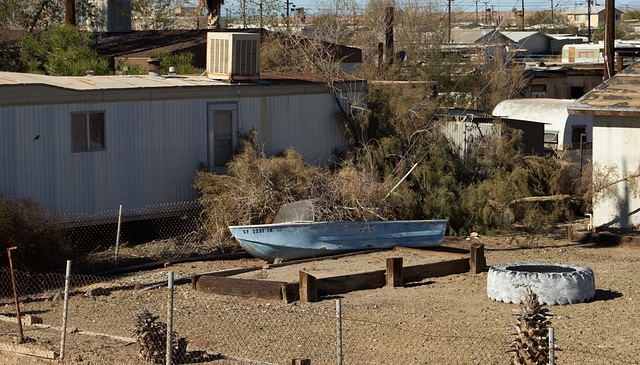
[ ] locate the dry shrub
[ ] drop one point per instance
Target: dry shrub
(37, 233)
(256, 187)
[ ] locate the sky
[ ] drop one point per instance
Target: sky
(500, 5)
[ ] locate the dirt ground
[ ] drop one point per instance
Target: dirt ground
(443, 320)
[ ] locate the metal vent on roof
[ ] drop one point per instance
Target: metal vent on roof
(233, 56)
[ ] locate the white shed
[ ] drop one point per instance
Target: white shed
(562, 130)
(615, 107)
(85, 145)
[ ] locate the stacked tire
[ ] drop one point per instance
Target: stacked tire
(555, 284)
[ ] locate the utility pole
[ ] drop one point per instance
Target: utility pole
(522, 14)
(449, 26)
(551, 11)
(70, 12)
(287, 15)
(486, 12)
(609, 37)
(589, 20)
(476, 11)
(388, 22)
(244, 13)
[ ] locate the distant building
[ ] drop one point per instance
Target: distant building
(533, 42)
(562, 82)
(579, 16)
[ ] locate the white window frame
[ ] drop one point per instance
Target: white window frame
(88, 132)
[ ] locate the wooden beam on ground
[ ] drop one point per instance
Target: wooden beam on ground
(394, 272)
(251, 288)
(299, 361)
(30, 351)
(156, 264)
(308, 287)
(432, 252)
(347, 283)
(477, 261)
(421, 272)
(290, 292)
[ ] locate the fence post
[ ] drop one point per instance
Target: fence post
(170, 319)
(339, 329)
(15, 293)
(308, 289)
(65, 309)
(118, 234)
(477, 261)
(394, 272)
(552, 346)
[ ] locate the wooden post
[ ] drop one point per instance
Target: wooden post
(609, 38)
(308, 288)
(476, 258)
(619, 64)
(571, 233)
(299, 361)
(394, 272)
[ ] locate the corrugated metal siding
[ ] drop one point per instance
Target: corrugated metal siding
(152, 152)
(615, 140)
(153, 148)
(306, 123)
(533, 137)
(464, 135)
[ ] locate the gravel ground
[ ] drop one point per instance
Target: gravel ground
(444, 320)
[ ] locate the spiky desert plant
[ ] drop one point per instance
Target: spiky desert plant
(151, 336)
(530, 337)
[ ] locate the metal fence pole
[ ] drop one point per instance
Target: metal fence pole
(170, 318)
(118, 234)
(67, 283)
(339, 330)
(552, 346)
(15, 294)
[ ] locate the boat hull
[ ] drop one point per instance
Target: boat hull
(290, 241)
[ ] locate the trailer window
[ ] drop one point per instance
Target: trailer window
(87, 131)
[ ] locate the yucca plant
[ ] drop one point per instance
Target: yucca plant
(530, 337)
(151, 336)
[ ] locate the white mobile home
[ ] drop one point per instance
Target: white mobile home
(583, 53)
(84, 145)
(562, 130)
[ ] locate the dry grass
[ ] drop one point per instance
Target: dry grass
(257, 187)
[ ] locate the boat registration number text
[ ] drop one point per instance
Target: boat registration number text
(256, 230)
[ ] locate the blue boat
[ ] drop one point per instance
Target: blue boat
(297, 240)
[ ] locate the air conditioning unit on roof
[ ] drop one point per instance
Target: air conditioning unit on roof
(233, 56)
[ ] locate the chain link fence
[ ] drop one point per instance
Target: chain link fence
(125, 317)
(102, 315)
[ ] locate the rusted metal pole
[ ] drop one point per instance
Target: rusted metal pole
(15, 294)
(583, 137)
(118, 234)
(67, 283)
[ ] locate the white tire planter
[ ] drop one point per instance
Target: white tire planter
(553, 283)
